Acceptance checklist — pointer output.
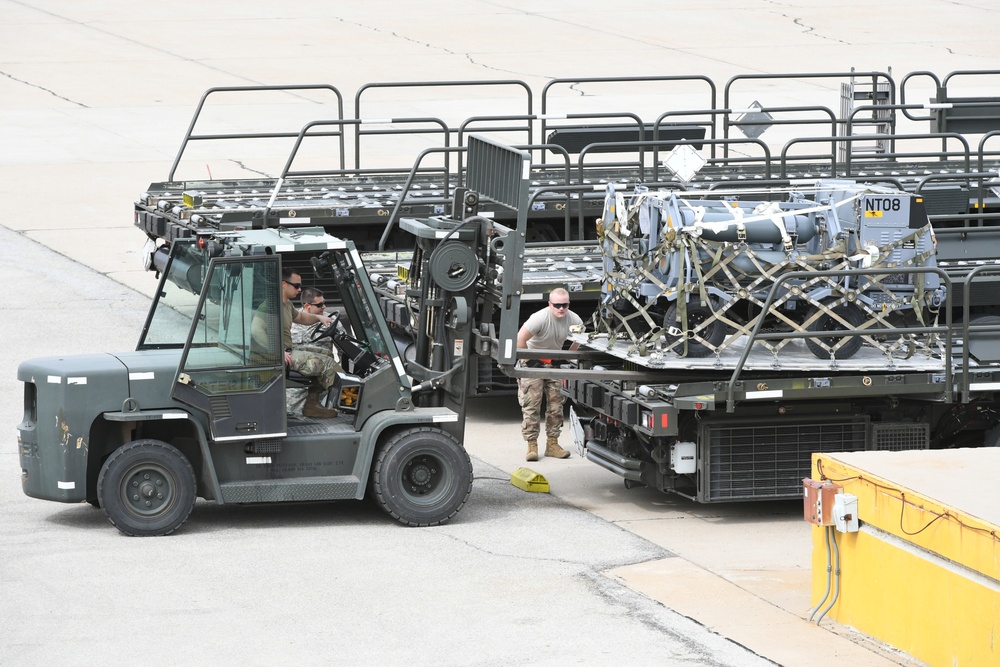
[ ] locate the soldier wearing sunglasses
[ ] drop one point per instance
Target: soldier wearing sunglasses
(546, 329)
(323, 368)
(313, 303)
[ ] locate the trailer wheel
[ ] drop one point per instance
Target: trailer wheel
(422, 476)
(821, 347)
(147, 488)
(713, 334)
(984, 346)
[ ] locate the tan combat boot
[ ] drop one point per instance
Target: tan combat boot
(313, 408)
(532, 451)
(553, 449)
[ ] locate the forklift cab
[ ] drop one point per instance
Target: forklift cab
(212, 306)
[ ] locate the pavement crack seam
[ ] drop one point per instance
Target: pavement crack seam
(42, 88)
(618, 595)
(429, 45)
(500, 554)
(244, 167)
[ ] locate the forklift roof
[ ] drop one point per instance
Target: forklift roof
(283, 239)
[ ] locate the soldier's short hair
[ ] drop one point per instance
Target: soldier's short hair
(310, 293)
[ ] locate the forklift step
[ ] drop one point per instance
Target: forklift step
(343, 487)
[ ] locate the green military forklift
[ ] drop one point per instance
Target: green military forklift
(198, 409)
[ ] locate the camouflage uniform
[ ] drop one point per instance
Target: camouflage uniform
(546, 333)
(314, 360)
(307, 359)
(316, 363)
(530, 394)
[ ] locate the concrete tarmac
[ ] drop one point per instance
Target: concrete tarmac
(94, 99)
(515, 579)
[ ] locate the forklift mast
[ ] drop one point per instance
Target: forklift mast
(463, 287)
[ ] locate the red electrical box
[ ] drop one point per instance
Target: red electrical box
(817, 499)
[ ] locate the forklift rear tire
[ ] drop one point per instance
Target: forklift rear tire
(422, 476)
(147, 488)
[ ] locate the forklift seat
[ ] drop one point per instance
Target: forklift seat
(296, 380)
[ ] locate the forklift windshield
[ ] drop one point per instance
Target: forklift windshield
(359, 302)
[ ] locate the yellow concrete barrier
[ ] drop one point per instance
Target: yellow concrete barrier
(923, 572)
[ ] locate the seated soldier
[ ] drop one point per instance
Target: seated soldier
(324, 368)
(313, 302)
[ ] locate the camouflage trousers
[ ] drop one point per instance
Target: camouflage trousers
(530, 394)
(318, 363)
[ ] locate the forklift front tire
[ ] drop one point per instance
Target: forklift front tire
(422, 476)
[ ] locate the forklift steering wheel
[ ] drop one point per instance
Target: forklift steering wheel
(329, 331)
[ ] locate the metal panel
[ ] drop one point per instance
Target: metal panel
(866, 92)
(499, 172)
(762, 460)
(900, 436)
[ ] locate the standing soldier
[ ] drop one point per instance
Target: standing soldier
(546, 329)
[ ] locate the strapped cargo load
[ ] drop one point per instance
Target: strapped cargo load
(692, 275)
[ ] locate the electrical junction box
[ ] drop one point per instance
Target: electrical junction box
(818, 500)
(682, 458)
(845, 512)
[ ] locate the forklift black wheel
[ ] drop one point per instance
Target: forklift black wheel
(422, 476)
(147, 488)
